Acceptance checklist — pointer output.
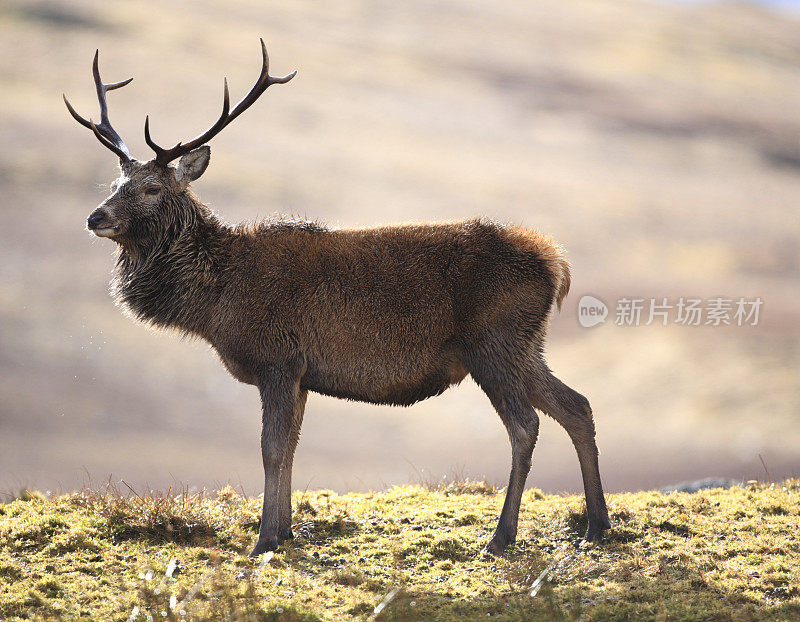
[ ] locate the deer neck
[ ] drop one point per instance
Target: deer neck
(175, 281)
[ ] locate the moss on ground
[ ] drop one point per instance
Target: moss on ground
(714, 555)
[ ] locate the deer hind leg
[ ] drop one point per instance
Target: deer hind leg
(505, 390)
(285, 500)
(572, 411)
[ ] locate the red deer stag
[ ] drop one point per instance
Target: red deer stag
(387, 315)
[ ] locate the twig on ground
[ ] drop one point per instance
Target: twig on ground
(195, 588)
(131, 489)
(545, 574)
(766, 470)
(265, 558)
(382, 605)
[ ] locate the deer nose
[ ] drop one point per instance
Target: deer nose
(95, 218)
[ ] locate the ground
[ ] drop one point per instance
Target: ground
(100, 554)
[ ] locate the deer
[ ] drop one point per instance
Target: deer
(386, 315)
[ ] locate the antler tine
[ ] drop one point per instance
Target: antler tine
(264, 80)
(104, 132)
(167, 155)
(124, 155)
(74, 114)
(149, 141)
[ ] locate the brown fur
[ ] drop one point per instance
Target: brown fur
(387, 315)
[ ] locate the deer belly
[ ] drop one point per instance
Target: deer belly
(380, 383)
(240, 371)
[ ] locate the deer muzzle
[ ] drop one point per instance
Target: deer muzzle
(100, 224)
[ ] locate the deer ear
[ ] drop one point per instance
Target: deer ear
(125, 166)
(192, 165)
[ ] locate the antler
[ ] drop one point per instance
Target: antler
(104, 132)
(264, 80)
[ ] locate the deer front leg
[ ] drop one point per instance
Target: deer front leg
(280, 395)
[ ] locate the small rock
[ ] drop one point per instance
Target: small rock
(779, 592)
(700, 484)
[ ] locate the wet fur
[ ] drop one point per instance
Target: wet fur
(381, 315)
(387, 315)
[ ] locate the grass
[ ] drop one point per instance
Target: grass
(101, 554)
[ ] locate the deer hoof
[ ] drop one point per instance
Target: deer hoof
(286, 534)
(270, 543)
(594, 533)
(497, 545)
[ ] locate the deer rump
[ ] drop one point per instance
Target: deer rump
(390, 315)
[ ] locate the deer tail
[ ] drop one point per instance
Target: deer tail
(563, 279)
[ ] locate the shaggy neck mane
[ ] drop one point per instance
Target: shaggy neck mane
(172, 280)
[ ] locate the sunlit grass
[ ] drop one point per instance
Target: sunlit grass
(106, 554)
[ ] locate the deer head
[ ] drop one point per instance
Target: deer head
(148, 195)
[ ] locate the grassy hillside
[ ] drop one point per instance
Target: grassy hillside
(714, 555)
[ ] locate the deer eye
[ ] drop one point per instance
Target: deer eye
(152, 191)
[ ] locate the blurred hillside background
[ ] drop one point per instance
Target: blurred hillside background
(659, 142)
